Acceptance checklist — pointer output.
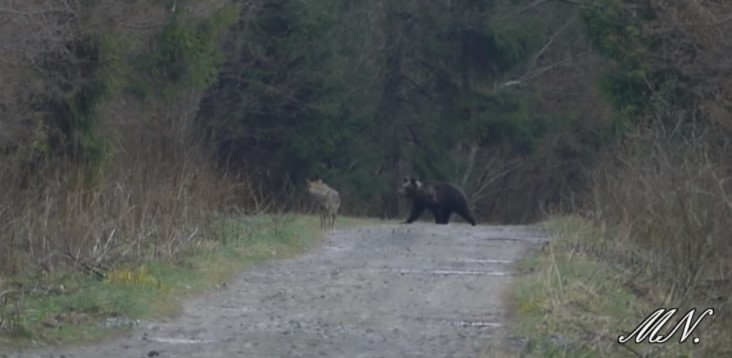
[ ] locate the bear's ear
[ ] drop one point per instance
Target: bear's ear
(412, 181)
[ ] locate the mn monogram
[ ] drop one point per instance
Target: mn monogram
(658, 319)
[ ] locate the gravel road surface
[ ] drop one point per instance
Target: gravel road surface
(419, 290)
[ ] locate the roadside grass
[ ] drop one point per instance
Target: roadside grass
(75, 308)
(581, 291)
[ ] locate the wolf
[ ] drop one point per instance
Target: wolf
(329, 201)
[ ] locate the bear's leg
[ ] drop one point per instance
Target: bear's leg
(438, 214)
(417, 210)
(435, 214)
(464, 212)
(446, 216)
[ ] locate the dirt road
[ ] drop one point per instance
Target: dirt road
(419, 290)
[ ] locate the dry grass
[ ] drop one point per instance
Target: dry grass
(86, 221)
(153, 197)
(81, 309)
(670, 198)
(655, 235)
(577, 295)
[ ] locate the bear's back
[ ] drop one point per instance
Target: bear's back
(446, 192)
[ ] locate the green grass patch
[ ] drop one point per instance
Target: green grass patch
(577, 294)
(78, 307)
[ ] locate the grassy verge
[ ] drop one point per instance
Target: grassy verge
(74, 308)
(576, 295)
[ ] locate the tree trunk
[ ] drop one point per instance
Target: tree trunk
(389, 107)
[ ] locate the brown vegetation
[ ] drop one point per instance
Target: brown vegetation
(666, 188)
(149, 193)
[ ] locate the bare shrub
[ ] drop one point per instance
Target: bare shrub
(155, 194)
(668, 198)
(144, 210)
(150, 190)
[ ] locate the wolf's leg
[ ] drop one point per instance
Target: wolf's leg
(332, 225)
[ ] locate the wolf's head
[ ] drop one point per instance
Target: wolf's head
(316, 186)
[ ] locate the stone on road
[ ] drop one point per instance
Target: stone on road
(420, 290)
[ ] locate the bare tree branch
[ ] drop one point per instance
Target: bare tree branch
(533, 74)
(551, 40)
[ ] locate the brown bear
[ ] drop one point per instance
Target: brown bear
(442, 199)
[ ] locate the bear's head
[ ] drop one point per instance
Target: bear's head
(410, 187)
